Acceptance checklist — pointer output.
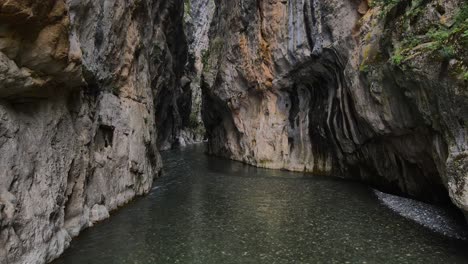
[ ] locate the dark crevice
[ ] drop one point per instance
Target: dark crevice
(104, 137)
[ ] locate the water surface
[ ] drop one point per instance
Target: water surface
(210, 210)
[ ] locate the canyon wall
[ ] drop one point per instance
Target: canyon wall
(198, 16)
(371, 90)
(91, 90)
(85, 87)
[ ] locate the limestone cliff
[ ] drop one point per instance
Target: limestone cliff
(375, 90)
(198, 17)
(84, 87)
(91, 90)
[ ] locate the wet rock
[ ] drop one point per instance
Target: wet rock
(361, 90)
(98, 213)
(198, 17)
(83, 89)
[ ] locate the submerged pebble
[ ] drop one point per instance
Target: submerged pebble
(436, 218)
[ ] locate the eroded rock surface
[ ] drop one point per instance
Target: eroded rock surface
(84, 85)
(375, 90)
(90, 90)
(198, 17)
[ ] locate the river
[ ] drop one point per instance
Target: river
(209, 210)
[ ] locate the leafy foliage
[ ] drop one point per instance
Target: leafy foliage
(442, 40)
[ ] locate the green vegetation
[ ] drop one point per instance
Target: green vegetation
(384, 3)
(397, 59)
(215, 48)
(364, 67)
(444, 40)
(386, 6)
(447, 40)
(205, 55)
(195, 125)
(187, 8)
(193, 120)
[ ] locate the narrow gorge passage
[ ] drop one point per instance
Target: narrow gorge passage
(365, 100)
(210, 210)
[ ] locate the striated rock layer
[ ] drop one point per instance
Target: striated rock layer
(375, 90)
(197, 16)
(83, 87)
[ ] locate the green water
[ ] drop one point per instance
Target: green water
(209, 210)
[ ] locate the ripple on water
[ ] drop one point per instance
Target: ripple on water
(208, 210)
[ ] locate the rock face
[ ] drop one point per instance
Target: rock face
(90, 90)
(198, 17)
(84, 85)
(375, 90)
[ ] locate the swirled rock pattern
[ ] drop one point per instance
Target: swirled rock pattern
(373, 90)
(84, 87)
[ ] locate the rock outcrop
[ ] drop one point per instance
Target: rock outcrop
(84, 87)
(373, 90)
(198, 17)
(91, 90)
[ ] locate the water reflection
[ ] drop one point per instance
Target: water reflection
(209, 210)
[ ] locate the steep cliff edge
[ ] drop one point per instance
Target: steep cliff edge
(91, 90)
(375, 90)
(84, 85)
(198, 15)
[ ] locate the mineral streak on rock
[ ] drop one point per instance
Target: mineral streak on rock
(86, 87)
(198, 17)
(373, 90)
(91, 90)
